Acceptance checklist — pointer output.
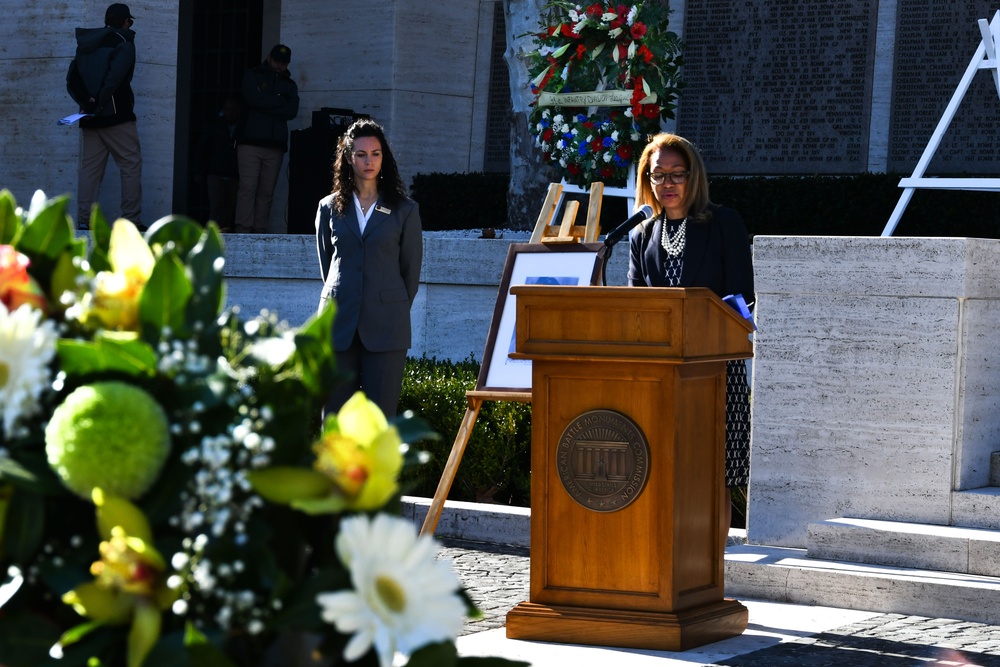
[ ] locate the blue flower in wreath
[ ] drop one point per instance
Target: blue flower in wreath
(580, 117)
(582, 150)
(608, 142)
(618, 161)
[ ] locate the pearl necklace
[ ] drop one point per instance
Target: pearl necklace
(673, 246)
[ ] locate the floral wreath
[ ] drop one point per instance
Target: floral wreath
(167, 495)
(591, 62)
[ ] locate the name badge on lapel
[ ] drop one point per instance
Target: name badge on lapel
(383, 209)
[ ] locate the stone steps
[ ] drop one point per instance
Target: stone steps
(909, 545)
(783, 574)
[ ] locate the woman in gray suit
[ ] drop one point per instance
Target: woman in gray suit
(369, 242)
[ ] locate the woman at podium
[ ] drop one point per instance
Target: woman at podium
(691, 242)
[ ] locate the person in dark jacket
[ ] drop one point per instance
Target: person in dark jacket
(271, 99)
(101, 83)
(215, 164)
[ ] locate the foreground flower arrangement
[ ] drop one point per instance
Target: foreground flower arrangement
(168, 495)
(623, 64)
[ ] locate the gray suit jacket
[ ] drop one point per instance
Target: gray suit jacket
(372, 277)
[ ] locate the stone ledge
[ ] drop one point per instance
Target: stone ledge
(783, 574)
(976, 508)
(895, 543)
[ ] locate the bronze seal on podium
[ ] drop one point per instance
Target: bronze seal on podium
(603, 460)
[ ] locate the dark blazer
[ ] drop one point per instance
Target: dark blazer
(374, 277)
(717, 255)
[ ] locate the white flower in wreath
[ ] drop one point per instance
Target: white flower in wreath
(635, 136)
(557, 120)
(403, 598)
(628, 112)
(564, 129)
(546, 113)
(27, 345)
(607, 157)
(631, 15)
(562, 162)
(614, 136)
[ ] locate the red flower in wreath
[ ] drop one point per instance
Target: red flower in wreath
(595, 11)
(645, 53)
(581, 51)
(567, 31)
(625, 152)
(573, 168)
(547, 134)
(650, 110)
(638, 31)
(607, 172)
(596, 144)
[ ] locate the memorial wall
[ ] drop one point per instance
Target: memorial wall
(935, 42)
(832, 87)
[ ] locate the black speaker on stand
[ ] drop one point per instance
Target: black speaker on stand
(310, 165)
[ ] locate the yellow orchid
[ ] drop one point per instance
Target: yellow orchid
(129, 579)
(115, 297)
(358, 460)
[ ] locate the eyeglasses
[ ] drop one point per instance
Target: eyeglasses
(675, 177)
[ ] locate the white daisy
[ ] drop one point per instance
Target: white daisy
(27, 345)
(403, 597)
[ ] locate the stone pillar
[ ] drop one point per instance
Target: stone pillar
(876, 380)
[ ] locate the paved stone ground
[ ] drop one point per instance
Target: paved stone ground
(496, 578)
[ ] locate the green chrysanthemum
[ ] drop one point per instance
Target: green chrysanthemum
(110, 435)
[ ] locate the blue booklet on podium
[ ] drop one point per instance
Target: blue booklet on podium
(739, 304)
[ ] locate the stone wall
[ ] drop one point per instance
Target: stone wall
(876, 383)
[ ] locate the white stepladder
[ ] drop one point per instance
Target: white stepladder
(985, 58)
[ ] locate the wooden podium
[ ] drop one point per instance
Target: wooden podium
(627, 465)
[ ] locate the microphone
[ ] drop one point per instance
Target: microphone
(616, 234)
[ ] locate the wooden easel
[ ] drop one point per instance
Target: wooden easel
(545, 232)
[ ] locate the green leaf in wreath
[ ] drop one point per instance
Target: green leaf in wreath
(178, 232)
(24, 526)
(441, 654)
(10, 221)
(100, 233)
(164, 299)
(25, 638)
(48, 232)
(314, 356)
(110, 351)
(206, 261)
(30, 472)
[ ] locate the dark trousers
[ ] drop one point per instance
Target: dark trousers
(378, 374)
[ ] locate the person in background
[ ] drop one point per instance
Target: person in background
(691, 242)
(271, 99)
(215, 164)
(100, 81)
(368, 237)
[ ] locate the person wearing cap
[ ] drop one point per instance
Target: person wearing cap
(271, 99)
(100, 81)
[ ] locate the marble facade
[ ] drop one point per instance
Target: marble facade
(875, 382)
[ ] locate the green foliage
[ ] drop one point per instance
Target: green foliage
(497, 461)
(461, 201)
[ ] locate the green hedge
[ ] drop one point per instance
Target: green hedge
(497, 461)
(781, 205)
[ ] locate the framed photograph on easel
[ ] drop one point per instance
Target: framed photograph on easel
(529, 264)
